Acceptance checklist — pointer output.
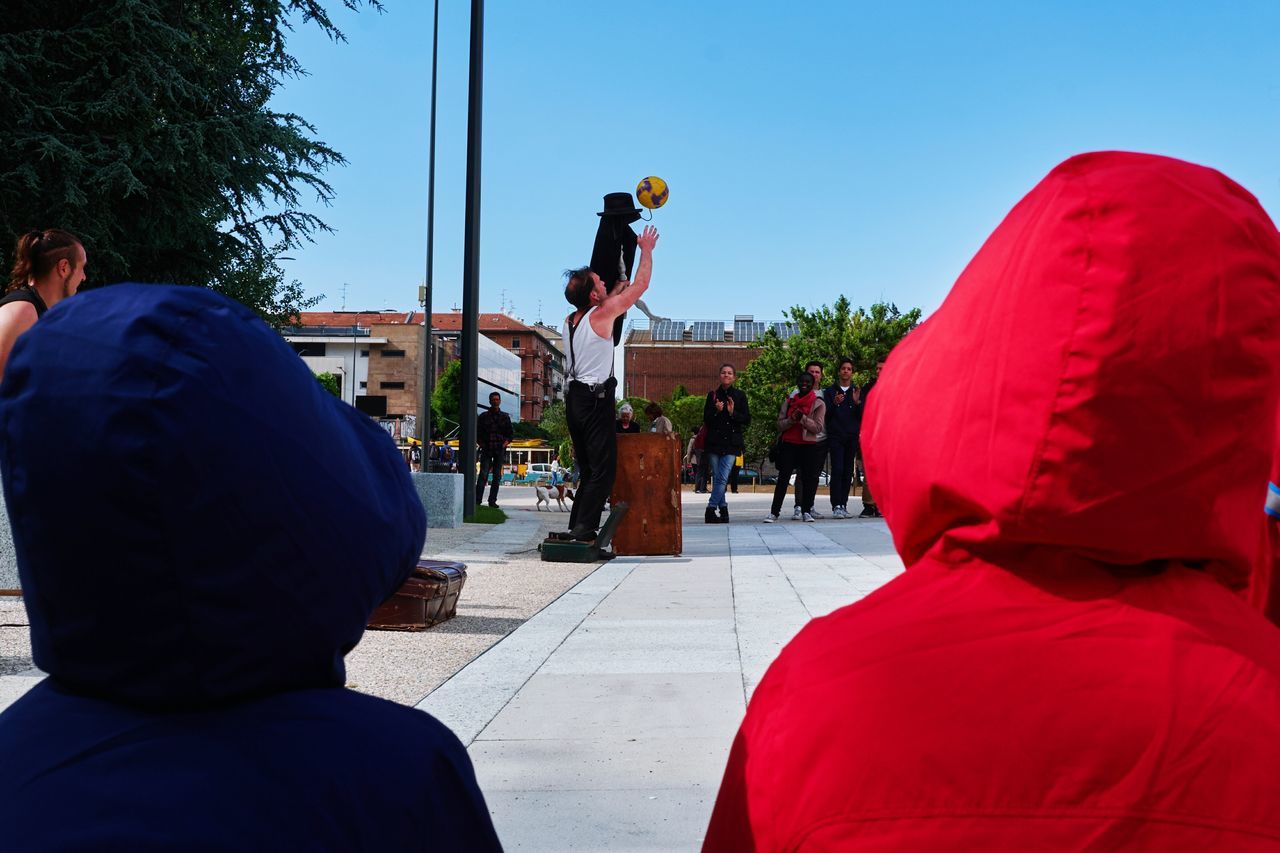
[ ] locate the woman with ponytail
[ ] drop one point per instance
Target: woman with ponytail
(48, 267)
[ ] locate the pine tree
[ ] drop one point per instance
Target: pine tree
(145, 127)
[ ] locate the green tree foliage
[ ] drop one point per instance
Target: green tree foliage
(686, 415)
(678, 392)
(330, 383)
(866, 335)
(446, 400)
(529, 429)
(554, 422)
(146, 128)
(638, 405)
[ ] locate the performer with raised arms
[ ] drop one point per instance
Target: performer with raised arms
(590, 398)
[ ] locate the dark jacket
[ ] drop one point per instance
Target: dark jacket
(724, 431)
(844, 419)
(492, 428)
(202, 532)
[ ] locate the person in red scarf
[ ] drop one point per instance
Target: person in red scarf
(800, 420)
(1069, 458)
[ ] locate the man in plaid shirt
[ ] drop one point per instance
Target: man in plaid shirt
(493, 434)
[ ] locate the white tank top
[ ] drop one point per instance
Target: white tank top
(590, 356)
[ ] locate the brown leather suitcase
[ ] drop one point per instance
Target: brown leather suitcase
(428, 597)
(648, 481)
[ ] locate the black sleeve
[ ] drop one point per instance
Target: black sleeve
(741, 411)
(507, 430)
(709, 407)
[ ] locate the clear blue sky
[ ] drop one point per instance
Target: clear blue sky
(812, 148)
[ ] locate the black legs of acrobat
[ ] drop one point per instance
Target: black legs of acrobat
(595, 449)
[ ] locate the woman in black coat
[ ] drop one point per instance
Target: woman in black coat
(725, 415)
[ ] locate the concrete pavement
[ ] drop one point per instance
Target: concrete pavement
(604, 722)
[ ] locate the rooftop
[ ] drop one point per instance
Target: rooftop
(742, 330)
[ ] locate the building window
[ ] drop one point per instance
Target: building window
(515, 343)
(391, 386)
(392, 353)
(364, 384)
(308, 348)
(364, 353)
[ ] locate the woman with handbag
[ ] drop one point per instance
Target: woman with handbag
(800, 421)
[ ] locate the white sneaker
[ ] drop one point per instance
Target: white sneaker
(770, 518)
(838, 512)
(795, 516)
(808, 516)
(816, 514)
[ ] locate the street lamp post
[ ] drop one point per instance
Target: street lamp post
(428, 344)
(471, 263)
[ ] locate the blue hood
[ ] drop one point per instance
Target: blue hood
(196, 519)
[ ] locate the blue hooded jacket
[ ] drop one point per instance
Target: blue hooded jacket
(202, 532)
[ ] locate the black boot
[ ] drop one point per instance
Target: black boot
(710, 517)
(724, 515)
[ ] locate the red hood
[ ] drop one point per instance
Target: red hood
(1100, 384)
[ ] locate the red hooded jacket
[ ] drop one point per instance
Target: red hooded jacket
(1072, 455)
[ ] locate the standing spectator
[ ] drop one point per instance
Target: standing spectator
(813, 465)
(800, 420)
(493, 435)
(844, 420)
(660, 423)
(48, 267)
(626, 419)
(415, 457)
(869, 508)
(725, 415)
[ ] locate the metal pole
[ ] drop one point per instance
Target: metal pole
(428, 348)
(471, 263)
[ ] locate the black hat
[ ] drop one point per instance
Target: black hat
(620, 204)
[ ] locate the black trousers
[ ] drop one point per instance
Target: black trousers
(490, 466)
(797, 458)
(809, 468)
(595, 447)
(843, 452)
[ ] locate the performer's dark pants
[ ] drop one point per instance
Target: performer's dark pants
(490, 465)
(843, 452)
(595, 447)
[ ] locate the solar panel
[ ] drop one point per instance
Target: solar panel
(785, 330)
(745, 331)
(706, 330)
(668, 330)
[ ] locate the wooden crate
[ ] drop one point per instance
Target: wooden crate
(649, 481)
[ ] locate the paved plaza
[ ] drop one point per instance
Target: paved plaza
(599, 702)
(604, 722)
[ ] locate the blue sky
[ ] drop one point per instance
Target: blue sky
(812, 149)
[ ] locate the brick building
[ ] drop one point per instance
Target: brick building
(689, 353)
(541, 360)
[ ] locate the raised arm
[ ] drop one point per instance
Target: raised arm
(626, 294)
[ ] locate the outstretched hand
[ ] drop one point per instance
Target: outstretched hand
(647, 239)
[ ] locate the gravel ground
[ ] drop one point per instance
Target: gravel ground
(15, 638)
(502, 592)
(506, 585)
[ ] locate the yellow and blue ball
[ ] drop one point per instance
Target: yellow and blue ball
(652, 192)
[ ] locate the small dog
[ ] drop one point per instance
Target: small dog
(546, 494)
